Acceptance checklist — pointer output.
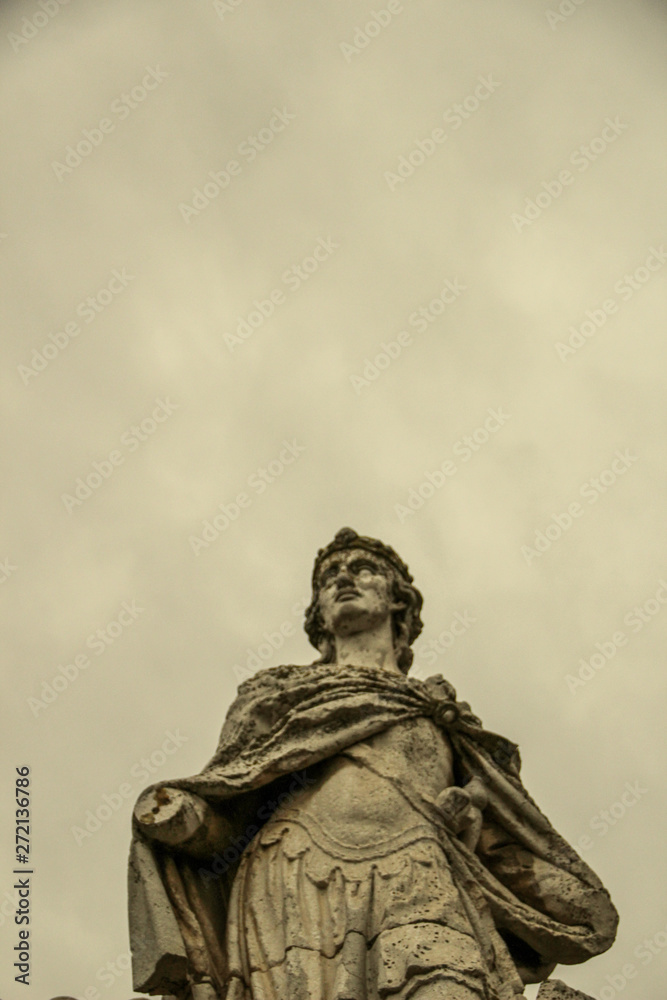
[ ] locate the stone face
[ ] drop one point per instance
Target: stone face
(357, 833)
(555, 989)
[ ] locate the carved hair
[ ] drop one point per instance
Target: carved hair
(406, 621)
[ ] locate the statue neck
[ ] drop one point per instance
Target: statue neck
(374, 647)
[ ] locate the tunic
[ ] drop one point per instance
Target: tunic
(346, 893)
(355, 888)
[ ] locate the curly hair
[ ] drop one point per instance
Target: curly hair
(406, 621)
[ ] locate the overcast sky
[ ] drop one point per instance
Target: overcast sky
(287, 267)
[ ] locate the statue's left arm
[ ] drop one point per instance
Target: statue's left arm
(561, 911)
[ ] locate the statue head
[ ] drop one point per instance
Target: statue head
(405, 599)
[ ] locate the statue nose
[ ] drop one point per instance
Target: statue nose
(344, 581)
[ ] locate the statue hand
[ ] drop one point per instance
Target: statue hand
(180, 820)
(462, 808)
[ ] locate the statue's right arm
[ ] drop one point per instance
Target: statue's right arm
(182, 821)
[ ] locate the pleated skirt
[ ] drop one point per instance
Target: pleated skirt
(313, 919)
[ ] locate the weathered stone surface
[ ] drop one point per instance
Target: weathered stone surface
(357, 833)
(555, 989)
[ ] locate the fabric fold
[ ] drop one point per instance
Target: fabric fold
(524, 886)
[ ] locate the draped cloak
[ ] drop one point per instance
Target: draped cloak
(530, 899)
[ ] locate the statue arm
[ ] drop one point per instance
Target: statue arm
(182, 821)
(461, 809)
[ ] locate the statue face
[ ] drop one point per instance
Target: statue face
(354, 592)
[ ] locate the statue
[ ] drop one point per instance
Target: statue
(358, 835)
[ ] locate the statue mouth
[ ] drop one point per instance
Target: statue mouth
(347, 593)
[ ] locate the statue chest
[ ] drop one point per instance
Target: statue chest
(354, 804)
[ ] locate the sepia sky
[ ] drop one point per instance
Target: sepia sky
(270, 269)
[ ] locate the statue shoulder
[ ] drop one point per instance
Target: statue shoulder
(262, 700)
(439, 687)
(281, 677)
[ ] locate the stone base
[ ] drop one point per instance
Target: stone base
(555, 989)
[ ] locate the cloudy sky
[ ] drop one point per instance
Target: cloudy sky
(272, 269)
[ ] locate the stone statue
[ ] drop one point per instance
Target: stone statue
(357, 835)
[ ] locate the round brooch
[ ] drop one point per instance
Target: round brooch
(446, 713)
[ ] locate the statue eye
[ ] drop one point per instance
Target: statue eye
(364, 569)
